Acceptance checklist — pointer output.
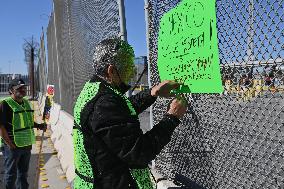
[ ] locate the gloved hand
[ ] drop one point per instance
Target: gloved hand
(164, 89)
(178, 107)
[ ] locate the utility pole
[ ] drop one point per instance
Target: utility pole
(251, 32)
(123, 31)
(147, 7)
(57, 57)
(147, 17)
(30, 47)
(250, 51)
(32, 72)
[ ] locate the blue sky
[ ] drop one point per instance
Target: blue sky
(20, 19)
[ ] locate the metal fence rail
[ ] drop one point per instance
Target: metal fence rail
(41, 72)
(74, 29)
(233, 140)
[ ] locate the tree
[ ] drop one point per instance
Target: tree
(31, 49)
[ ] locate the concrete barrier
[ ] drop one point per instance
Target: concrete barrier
(54, 122)
(163, 183)
(61, 129)
(54, 114)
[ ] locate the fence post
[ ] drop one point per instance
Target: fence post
(250, 51)
(70, 46)
(123, 30)
(146, 8)
(57, 59)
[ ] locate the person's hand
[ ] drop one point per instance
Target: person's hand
(178, 107)
(164, 89)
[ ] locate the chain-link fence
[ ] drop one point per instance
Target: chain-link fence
(74, 29)
(41, 71)
(233, 140)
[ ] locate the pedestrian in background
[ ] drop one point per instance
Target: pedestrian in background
(17, 132)
(47, 106)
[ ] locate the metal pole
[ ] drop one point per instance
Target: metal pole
(147, 7)
(123, 31)
(70, 46)
(32, 72)
(57, 59)
(44, 64)
(148, 39)
(250, 52)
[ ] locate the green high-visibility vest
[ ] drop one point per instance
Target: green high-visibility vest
(22, 122)
(82, 163)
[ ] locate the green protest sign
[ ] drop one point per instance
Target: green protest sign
(188, 47)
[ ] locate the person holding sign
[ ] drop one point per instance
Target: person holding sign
(111, 151)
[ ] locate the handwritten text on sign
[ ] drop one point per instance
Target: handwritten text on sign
(187, 47)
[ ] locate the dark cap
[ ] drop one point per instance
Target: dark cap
(16, 83)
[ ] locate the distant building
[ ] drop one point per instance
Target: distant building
(6, 78)
(141, 67)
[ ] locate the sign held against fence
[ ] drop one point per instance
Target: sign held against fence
(188, 47)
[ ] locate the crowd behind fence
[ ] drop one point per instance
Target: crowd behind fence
(229, 140)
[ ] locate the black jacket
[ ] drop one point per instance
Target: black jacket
(113, 138)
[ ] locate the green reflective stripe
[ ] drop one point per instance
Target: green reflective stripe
(129, 104)
(81, 160)
(81, 184)
(143, 178)
(89, 91)
(1, 142)
(22, 123)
